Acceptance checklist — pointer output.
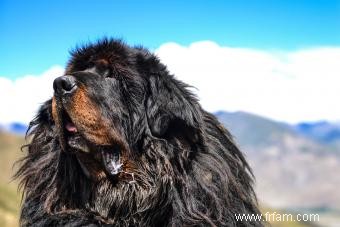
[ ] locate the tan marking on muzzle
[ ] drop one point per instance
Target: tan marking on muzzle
(88, 119)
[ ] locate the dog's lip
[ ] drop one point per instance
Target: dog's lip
(70, 137)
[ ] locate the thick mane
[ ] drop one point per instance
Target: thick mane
(192, 174)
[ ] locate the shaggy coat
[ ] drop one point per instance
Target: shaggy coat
(123, 143)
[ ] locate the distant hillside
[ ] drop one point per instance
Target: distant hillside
(252, 130)
(321, 131)
(269, 132)
(14, 128)
(293, 170)
(9, 199)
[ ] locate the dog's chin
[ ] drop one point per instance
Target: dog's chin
(95, 160)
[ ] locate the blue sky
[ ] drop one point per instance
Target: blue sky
(38, 34)
(278, 59)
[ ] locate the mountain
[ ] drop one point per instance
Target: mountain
(322, 131)
(253, 130)
(293, 169)
(15, 128)
(18, 128)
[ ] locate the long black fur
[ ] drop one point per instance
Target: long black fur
(190, 172)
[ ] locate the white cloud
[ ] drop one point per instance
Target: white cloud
(302, 85)
(20, 99)
(292, 86)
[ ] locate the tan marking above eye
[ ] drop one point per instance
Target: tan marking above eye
(85, 115)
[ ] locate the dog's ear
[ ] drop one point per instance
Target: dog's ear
(172, 110)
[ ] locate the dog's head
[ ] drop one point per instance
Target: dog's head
(113, 96)
(117, 116)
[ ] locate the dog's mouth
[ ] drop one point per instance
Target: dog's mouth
(94, 159)
(71, 137)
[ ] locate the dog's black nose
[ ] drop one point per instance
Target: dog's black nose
(64, 84)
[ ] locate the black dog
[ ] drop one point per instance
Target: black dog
(123, 143)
